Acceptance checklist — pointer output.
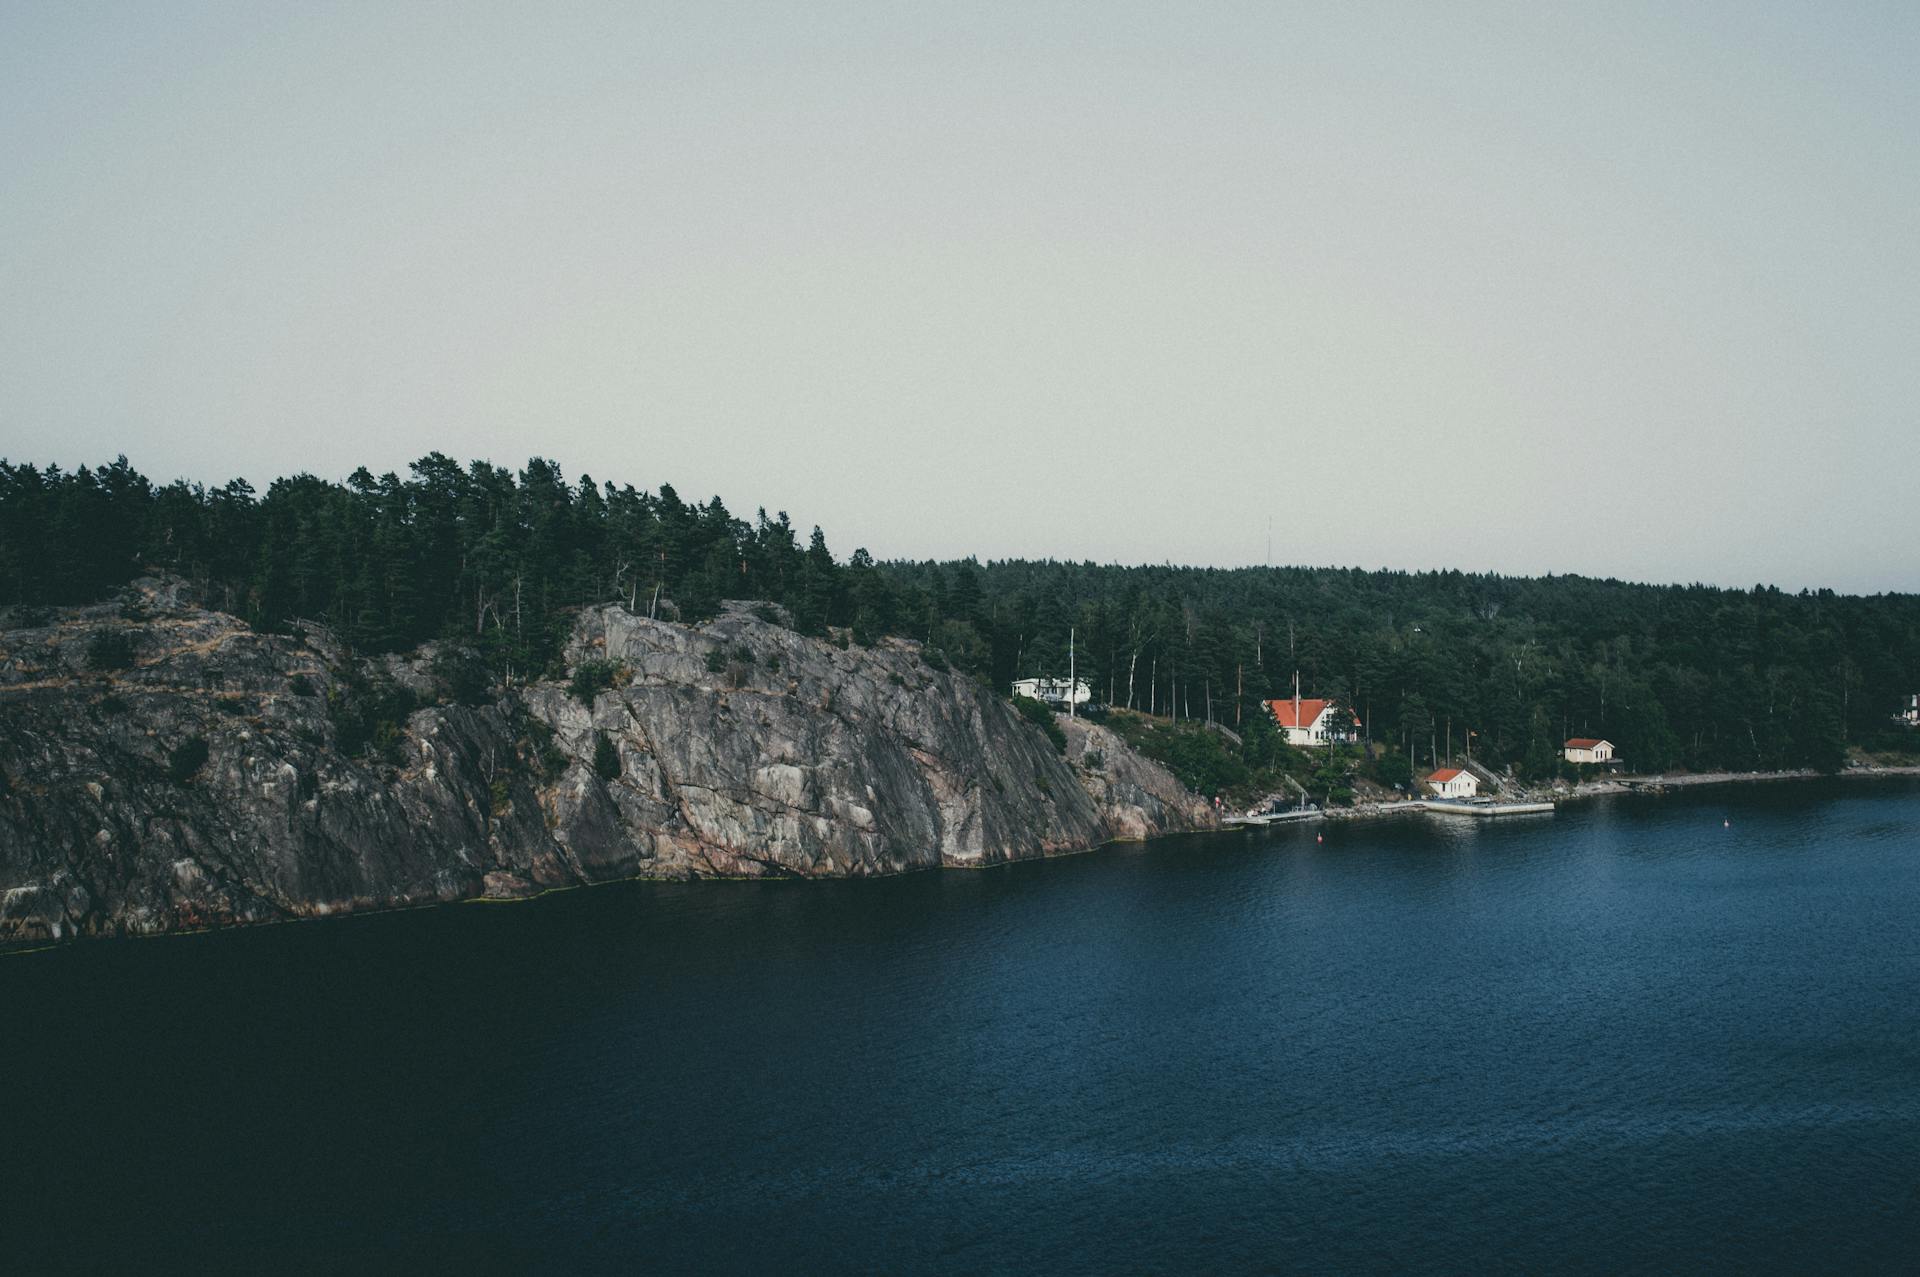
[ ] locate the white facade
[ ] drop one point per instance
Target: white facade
(1911, 714)
(1311, 724)
(1452, 782)
(1583, 750)
(1054, 691)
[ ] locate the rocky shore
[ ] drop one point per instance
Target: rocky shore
(164, 767)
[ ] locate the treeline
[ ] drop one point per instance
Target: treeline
(1690, 676)
(1675, 675)
(478, 553)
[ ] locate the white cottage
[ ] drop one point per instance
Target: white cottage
(1312, 723)
(1057, 692)
(1584, 749)
(1454, 782)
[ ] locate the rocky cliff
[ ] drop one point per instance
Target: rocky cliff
(165, 767)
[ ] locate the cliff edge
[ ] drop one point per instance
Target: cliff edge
(165, 767)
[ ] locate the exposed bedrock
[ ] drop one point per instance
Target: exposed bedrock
(733, 748)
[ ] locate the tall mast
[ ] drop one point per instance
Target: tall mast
(1073, 677)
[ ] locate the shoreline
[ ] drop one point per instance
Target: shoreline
(1653, 785)
(1649, 785)
(1694, 780)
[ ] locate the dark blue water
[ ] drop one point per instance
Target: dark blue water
(1620, 1039)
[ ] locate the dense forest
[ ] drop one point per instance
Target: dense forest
(1688, 676)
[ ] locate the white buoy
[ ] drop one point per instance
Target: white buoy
(1726, 824)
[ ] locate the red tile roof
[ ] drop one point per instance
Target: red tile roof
(1309, 711)
(1583, 742)
(1444, 774)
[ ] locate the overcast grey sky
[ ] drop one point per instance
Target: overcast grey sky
(1629, 290)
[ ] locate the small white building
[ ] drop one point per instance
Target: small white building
(1911, 714)
(1454, 782)
(1584, 749)
(1057, 692)
(1311, 724)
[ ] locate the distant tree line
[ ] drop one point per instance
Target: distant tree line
(477, 553)
(1689, 676)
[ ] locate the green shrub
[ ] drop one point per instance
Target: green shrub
(110, 704)
(536, 745)
(110, 650)
(387, 744)
(716, 661)
(461, 675)
(773, 662)
(186, 760)
(301, 685)
(1094, 759)
(1204, 761)
(368, 715)
(606, 757)
(1043, 718)
(1393, 770)
(934, 657)
(590, 678)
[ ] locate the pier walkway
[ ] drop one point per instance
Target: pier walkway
(1439, 806)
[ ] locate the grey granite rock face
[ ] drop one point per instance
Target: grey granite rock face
(743, 748)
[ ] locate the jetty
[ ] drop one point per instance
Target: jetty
(1486, 809)
(1273, 818)
(1441, 806)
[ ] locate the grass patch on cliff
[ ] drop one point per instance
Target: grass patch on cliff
(1042, 717)
(535, 748)
(606, 758)
(369, 716)
(590, 678)
(1202, 760)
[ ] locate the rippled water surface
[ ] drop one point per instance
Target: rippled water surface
(1624, 1038)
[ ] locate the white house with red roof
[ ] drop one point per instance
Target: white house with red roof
(1454, 782)
(1585, 749)
(1311, 723)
